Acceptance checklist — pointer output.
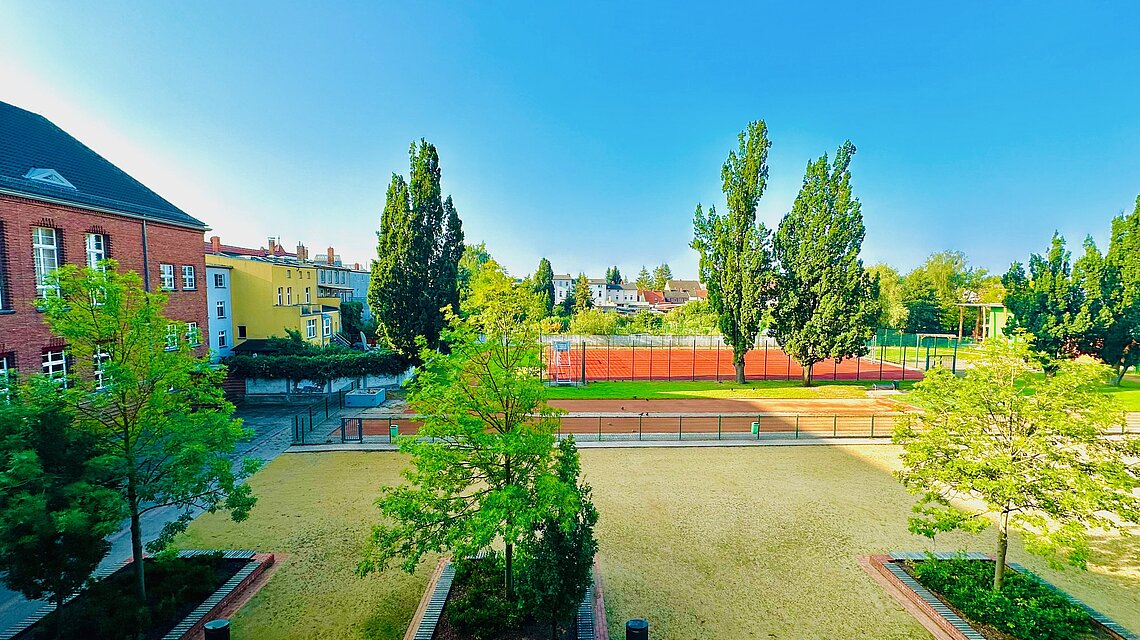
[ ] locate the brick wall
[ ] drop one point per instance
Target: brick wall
(22, 329)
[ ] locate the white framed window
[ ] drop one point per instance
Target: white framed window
(220, 308)
(311, 327)
(308, 295)
(289, 296)
(166, 277)
(54, 365)
(221, 338)
(45, 254)
(189, 277)
(7, 375)
(171, 337)
(96, 250)
(219, 281)
(328, 325)
(98, 364)
(279, 291)
(193, 335)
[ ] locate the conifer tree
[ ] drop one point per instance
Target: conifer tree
(583, 299)
(544, 283)
(644, 280)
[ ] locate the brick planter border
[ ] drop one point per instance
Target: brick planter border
(192, 623)
(949, 625)
(591, 616)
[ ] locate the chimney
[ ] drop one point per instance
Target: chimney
(215, 244)
(356, 266)
(301, 255)
(331, 255)
(272, 247)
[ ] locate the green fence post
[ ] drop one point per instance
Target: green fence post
(694, 359)
(718, 361)
(583, 362)
(954, 361)
(679, 428)
(718, 427)
(651, 362)
(639, 420)
(904, 362)
(599, 428)
(797, 426)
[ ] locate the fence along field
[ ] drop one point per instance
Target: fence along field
(578, 359)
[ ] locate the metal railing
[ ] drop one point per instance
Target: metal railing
(315, 414)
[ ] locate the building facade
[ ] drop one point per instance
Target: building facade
(61, 203)
(219, 310)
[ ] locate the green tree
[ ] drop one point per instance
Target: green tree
(583, 299)
(644, 280)
(416, 273)
(595, 322)
(1001, 442)
(1119, 322)
(613, 275)
(892, 309)
(825, 300)
(736, 260)
(661, 275)
(1046, 303)
(482, 467)
(560, 558)
(58, 497)
(351, 319)
(151, 405)
(544, 284)
(473, 258)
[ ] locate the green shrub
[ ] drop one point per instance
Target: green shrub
(483, 610)
(321, 367)
(1024, 608)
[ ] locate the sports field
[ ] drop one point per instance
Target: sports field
(705, 543)
(685, 363)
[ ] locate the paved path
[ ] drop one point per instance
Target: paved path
(272, 426)
(625, 444)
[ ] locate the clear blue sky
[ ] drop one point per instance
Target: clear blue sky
(588, 132)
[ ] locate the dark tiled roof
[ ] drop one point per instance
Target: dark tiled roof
(30, 141)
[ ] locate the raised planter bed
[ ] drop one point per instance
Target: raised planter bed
(364, 398)
(236, 570)
(944, 621)
(590, 623)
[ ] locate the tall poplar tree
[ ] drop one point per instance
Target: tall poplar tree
(735, 260)
(417, 266)
(544, 283)
(825, 299)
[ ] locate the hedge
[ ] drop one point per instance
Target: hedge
(321, 367)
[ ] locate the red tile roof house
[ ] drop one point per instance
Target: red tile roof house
(62, 203)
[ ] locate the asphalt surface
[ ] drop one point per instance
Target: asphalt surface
(272, 426)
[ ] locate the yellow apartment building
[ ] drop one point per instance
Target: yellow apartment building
(271, 291)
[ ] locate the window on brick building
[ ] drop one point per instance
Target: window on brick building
(45, 254)
(3, 270)
(171, 337)
(54, 365)
(311, 328)
(96, 249)
(166, 277)
(99, 365)
(193, 334)
(7, 374)
(189, 277)
(219, 281)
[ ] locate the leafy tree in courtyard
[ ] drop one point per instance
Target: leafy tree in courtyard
(561, 557)
(152, 407)
(661, 275)
(58, 497)
(825, 300)
(544, 284)
(583, 299)
(1117, 339)
(1037, 462)
(473, 258)
(416, 273)
(482, 469)
(735, 256)
(351, 318)
(1046, 302)
(644, 280)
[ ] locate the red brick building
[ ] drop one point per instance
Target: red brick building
(62, 203)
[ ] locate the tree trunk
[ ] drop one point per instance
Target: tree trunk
(136, 540)
(807, 374)
(510, 572)
(1120, 371)
(1002, 547)
(739, 364)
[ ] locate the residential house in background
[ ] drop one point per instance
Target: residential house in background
(563, 285)
(272, 291)
(598, 288)
(359, 279)
(622, 294)
(219, 311)
(332, 276)
(682, 291)
(62, 203)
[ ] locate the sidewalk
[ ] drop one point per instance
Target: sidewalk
(623, 444)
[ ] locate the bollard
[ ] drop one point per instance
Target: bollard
(217, 629)
(636, 629)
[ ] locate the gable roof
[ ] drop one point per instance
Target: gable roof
(39, 160)
(651, 296)
(234, 250)
(683, 285)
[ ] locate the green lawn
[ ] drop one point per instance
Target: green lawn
(710, 389)
(705, 543)
(1127, 393)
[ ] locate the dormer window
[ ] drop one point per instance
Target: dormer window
(50, 176)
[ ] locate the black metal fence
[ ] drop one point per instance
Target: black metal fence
(314, 415)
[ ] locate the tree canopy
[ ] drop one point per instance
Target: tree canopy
(1004, 443)
(644, 280)
(661, 274)
(735, 259)
(583, 299)
(416, 273)
(825, 300)
(544, 284)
